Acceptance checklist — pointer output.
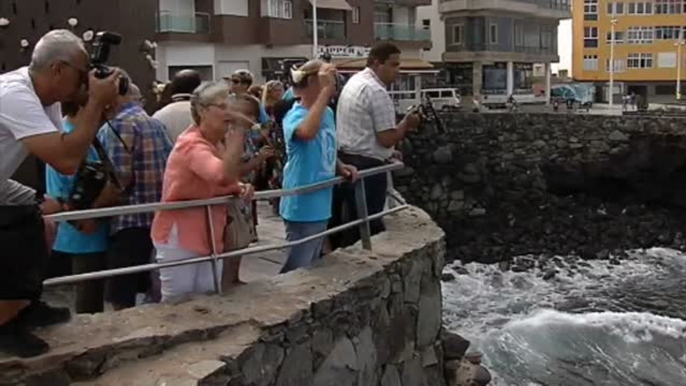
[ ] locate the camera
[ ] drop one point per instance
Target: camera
(101, 53)
(90, 180)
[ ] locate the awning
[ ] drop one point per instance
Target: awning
(406, 65)
(333, 4)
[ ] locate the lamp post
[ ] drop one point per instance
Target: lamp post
(679, 44)
(315, 32)
(612, 62)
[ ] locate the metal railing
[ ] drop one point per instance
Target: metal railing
(361, 205)
(327, 29)
(400, 32)
(196, 23)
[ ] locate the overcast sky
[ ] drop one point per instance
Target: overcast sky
(564, 46)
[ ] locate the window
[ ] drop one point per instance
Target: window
(615, 8)
(620, 65)
(640, 61)
(668, 6)
(640, 8)
(519, 35)
(590, 9)
(591, 37)
(640, 35)
(457, 34)
(591, 62)
(619, 37)
(356, 15)
(667, 32)
(426, 24)
(493, 34)
(287, 7)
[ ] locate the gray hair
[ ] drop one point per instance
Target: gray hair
(56, 46)
(206, 94)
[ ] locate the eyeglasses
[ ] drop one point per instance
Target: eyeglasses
(83, 74)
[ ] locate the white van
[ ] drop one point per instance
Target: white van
(442, 99)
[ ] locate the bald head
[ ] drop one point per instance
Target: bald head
(58, 46)
(185, 82)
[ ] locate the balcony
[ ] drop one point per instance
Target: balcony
(400, 32)
(198, 23)
(549, 9)
(327, 29)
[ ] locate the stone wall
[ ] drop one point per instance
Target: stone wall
(510, 184)
(356, 318)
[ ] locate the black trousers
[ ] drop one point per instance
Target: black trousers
(344, 204)
(23, 253)
(128, 247)
(89, 294)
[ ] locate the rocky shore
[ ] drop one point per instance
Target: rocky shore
(503, 185)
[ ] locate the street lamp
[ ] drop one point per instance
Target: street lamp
(679, 44)
(613, 23)
(315, 33)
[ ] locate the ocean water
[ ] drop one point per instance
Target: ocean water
(598, 322)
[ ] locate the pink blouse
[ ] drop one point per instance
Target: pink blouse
(194, 171)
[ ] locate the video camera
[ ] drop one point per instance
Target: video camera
(427, 113)
(101, 53)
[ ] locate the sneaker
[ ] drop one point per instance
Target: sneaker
(17, 340)
(40, 314)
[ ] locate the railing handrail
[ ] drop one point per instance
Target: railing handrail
(362, 222)
(260, 196)
(326, 21)
(183, 14)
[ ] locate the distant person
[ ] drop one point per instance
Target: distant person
(176, 116)
(367, 133)
(239, 83)
(139, 155)
(271, 95)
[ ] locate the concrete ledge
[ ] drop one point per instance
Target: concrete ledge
(294, 329)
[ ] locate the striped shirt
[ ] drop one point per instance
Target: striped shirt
(140, 168)
(364, 109)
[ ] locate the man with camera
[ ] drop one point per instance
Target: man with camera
(367, 134)
(30, 122)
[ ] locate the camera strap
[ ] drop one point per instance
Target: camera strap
(107, 163)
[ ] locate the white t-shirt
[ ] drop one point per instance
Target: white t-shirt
(176, 117)
(21, 115)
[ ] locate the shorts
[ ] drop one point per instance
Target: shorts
(128, 247)
(23, 253)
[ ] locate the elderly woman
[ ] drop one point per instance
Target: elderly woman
(199, 167)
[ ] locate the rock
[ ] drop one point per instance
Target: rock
(262, 363)
(539, 143)
(407, 171)
(443, 155)
(436, 192)
(206, 368)
(550, 274)
(519, 268)
(297, 367)
(454, 346)
(617, 136)
(482, 377)
(340, 367)
(457, 195)
(476, 212)
(474, 358)
(413, 373)
(412, 282)
(455, 206)
(430, 309)
(366, 358)
(447, 277)
(461, 270)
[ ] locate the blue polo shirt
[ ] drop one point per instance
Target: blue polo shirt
(68, 238)
(308, 162)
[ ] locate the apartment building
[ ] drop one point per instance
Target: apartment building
(646, 42)
(491, 46)
(217, 37)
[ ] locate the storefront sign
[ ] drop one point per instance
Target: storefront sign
(345, 51)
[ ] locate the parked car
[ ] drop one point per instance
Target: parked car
(442, 99)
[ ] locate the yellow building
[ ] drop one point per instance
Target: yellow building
(647, 36)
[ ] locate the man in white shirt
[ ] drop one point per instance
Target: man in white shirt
(30, 122)
(176, 116)
(367, 134)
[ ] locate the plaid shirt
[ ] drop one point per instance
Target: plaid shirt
(364, 109)
(142, 169)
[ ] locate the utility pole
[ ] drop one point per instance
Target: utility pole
(679, 44)
(612, 61)
(315, 32)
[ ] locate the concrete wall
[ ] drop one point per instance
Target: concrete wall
(502, 185)
(430, 12)
(355, 318)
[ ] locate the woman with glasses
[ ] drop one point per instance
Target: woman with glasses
(205, 163)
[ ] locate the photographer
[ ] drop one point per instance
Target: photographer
(30, 122)
(367, 134)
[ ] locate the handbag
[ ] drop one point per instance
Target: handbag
(240, 229)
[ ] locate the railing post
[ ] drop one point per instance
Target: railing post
(215, 273)
(362, 213)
